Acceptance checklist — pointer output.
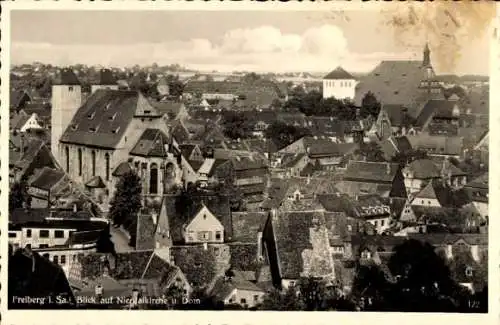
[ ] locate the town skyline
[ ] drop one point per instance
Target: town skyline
(276, 42)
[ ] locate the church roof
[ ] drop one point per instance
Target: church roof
(151, 144)
(338, 73)
(394, 83)
(103, 119)
(66, 77)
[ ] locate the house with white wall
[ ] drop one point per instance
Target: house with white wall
(339, 84)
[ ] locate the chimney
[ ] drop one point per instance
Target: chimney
(75, 207)
(388, 168)
(205, 246)
(308, 180)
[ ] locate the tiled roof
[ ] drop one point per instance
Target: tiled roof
(122, 169)
(435, 108)
(437, 144)
(396, 113)
(443, 129)
(224, 287)
(171, 108)
(445, 195)
(423, 169)
(318, 149)
(66, 77)
(338, 73)
(371, 171)
(179, 132)
(353, 188)
(103, 119)
(84, 237)
(179, 212)
(146, 228)
(480, 182)
(437, 239)
(244, 256)
(18, 121)
(246, 225)
(46, 178)
(292, 231)
(198, 264)
(152, 143)
(310, 186)
(394, 83)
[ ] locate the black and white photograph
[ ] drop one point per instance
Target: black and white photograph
(266, 160)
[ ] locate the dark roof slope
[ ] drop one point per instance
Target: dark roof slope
(103, 119)
(46, 178)
(246, 225)
(66, 77)
(292, 231)
(394, 83)
(338, 73)
(151, 144)
(371, 171)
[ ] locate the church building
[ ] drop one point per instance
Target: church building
(112, 132)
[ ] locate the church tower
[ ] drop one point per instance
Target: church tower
(427, 56)
(66, 99)
(106, 81)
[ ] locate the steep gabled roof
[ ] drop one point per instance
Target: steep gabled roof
(46, 178)
(122, 169)
(394, 83)
(103, 119)
(339, 73)
(66, 77)
(293, 232)
(152, 143)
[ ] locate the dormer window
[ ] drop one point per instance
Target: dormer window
(112, 117)
(91, 115)
(115, 130)
(74, 127)
(108, 106)
(93, 130)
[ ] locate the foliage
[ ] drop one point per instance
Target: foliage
(313, 104)
(127, 202)
(370, 151)
(18, 195)
(370, 287)
(282, 134)
(370, 105)
(236, 125)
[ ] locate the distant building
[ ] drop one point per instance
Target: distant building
(339, 84)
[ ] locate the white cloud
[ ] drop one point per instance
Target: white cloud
(264, 48)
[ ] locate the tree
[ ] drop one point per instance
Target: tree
(18, 195)
(424, 279)
(370, 287)
(370, 105)
(283, 134)
(236, 125)
(370, 151)
(127, 201)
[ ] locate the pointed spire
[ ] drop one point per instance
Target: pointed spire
(427, 56)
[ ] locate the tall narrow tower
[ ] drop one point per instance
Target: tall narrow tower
(427, 56)
(66, 99)
(106, 81)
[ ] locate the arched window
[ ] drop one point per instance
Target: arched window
(106, 157)
(80, 162)
(153, 179)
(93, 162)
(67, 159)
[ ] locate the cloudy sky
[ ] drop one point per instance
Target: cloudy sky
(225, 40)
